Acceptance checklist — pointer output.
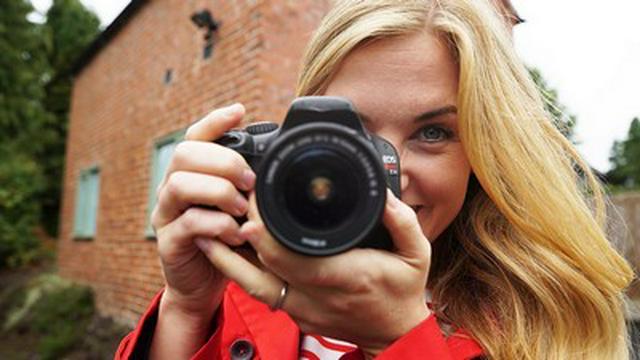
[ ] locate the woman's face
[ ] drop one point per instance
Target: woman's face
(405, 89)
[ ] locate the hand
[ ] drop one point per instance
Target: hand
(364, 296)
(197, 199)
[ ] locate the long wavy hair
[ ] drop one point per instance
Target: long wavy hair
(525, 268)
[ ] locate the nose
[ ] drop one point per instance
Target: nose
(404, 179)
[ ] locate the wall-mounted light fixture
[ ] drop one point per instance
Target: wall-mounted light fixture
(204, 20)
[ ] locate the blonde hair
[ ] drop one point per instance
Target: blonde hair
(525, 268)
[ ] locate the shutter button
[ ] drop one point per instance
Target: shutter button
(241, 349)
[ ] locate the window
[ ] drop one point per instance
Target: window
(162, 151)
(87, 196)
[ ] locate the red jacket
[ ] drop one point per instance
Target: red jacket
(248, 329)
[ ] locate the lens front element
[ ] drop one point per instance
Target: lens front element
(321, 188)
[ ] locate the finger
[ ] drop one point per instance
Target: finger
(213, 159)
(401, 221)
(214, 124)
(252, 211)
(185, 189)
(258, 283)
(300, 270)
(197, 222)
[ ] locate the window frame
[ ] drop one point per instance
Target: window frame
(85, 228)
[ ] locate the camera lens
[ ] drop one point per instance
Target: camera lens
(319, 189)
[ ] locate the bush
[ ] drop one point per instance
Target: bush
(20, 181)
(53, 310)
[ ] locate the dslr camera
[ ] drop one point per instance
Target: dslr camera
(321, 177)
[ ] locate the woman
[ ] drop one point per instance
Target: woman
(495, 222)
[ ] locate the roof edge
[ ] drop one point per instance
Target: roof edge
(106, 36)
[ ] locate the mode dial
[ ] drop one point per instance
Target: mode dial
(261, 128)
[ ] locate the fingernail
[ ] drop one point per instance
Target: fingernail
(241, 205)
(232, 109)
(248, 179)
(203, 244)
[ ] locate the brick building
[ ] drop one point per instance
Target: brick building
(148, 76)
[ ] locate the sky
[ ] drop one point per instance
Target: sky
(589, 51)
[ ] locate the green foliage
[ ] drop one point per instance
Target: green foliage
(22, 66)
(35, 84)
(625, 159)
(70, 28)
(53, 310)
(21, 180)
(558, 112)
(61, 318)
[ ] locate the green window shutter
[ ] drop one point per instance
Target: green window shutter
(79, 211)
(92, 211)
(86, 211)
(162, 151)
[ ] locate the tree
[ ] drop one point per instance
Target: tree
(625, 158)
(70, 28)
(564, 121)
(23, 65)
(35, 83)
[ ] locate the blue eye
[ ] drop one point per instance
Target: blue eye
(433, 134)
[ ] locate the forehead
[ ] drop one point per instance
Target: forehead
(409, 71)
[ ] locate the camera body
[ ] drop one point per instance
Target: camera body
(321, 177)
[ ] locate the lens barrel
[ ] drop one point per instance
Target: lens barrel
(321, 188)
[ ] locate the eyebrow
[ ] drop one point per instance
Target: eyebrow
(429, 115)
(451, 109)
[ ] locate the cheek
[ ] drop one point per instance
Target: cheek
(444, 191)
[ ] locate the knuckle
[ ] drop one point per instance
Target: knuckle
(223, 190)
(182, 152)
(338, 304)
(227, 222)
(367, 279)
(240, 163)
(227, 187)
(233, 160)
(232, 165)
(191, 218)
(322, 277)
(173, 187)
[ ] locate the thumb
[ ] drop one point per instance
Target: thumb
(402, 223)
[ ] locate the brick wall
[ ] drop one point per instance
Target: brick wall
(121, 106)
